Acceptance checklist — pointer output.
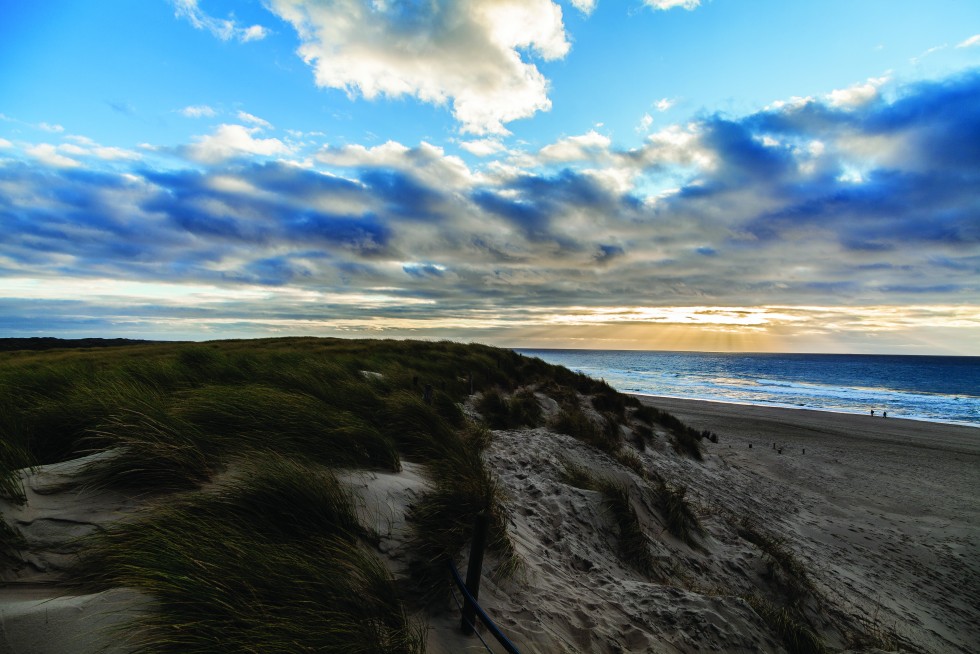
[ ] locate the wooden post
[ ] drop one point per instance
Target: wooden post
(481, 526)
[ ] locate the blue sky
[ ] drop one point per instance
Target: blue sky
(662, 174)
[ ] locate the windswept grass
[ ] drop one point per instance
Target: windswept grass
(786, 570)
(272, 562)
(263, 417)
(520, 410)
(632, 542)
(797, 635)
(11, 542)
(791, 587)
(150, 453)
(684, 439)
(680, 518)
(602, 434)
(442, 519)
(12, 459)
(580, 477)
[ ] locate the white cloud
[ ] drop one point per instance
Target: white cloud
(224, 29)
(61, 156)
(585, 6)
(483, 147)
(425, 162)
(663, 5)
(467, 54)
(4, 143)
(663, 104)
(229, 141)
(971, 42)
(576, 148)
(51, 128)
(857, 95)
(930, 51)
(48, 154)
(645, 123)
(255, 120)
(198, 111)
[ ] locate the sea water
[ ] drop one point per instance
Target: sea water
(935, 388)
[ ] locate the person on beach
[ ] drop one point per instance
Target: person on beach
(884, 414)
(872, 412)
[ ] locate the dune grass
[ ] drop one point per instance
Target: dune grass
(442, 519)
(273, 561)
(500, 412)
(632, 542)
(684, 439)
(272, 558)
(796, 634)
(679, 517)
(791, 587)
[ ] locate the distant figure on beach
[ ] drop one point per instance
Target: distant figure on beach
(872, 411)
(884, 414)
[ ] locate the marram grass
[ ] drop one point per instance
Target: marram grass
(272, 561)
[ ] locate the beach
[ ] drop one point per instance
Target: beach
(885, 510)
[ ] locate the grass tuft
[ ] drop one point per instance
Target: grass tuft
(271, 562)
(680, 518)
(520, 410)
(797, 636)
(633, 547)
(442, 519)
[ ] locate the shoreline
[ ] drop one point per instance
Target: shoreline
(788, 407)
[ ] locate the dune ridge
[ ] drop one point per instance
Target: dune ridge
(619, 535)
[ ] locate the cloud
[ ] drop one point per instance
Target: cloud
(4, 143)
(857, 95)
(254, 120)
(229, 141)
(198, 111)
(576, 148)
(664, 5)
(224, 29)
(645, 122)
(663, 104)
(483, 147)
(971, 42)
(470, 55)
(725, 211)
(57, 129)
(48, 154)
(585, 6)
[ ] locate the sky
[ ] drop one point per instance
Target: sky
(714, 175)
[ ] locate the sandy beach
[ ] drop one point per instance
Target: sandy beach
(884, 515)
(886, 510)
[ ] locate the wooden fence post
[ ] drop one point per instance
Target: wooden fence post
(481, 526)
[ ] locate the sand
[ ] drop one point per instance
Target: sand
(884, 513)
(887, 511)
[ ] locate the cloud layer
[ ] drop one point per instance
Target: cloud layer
(853, 200)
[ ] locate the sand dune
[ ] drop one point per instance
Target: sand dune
(884, 514)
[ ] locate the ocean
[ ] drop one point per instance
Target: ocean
(933, 388)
